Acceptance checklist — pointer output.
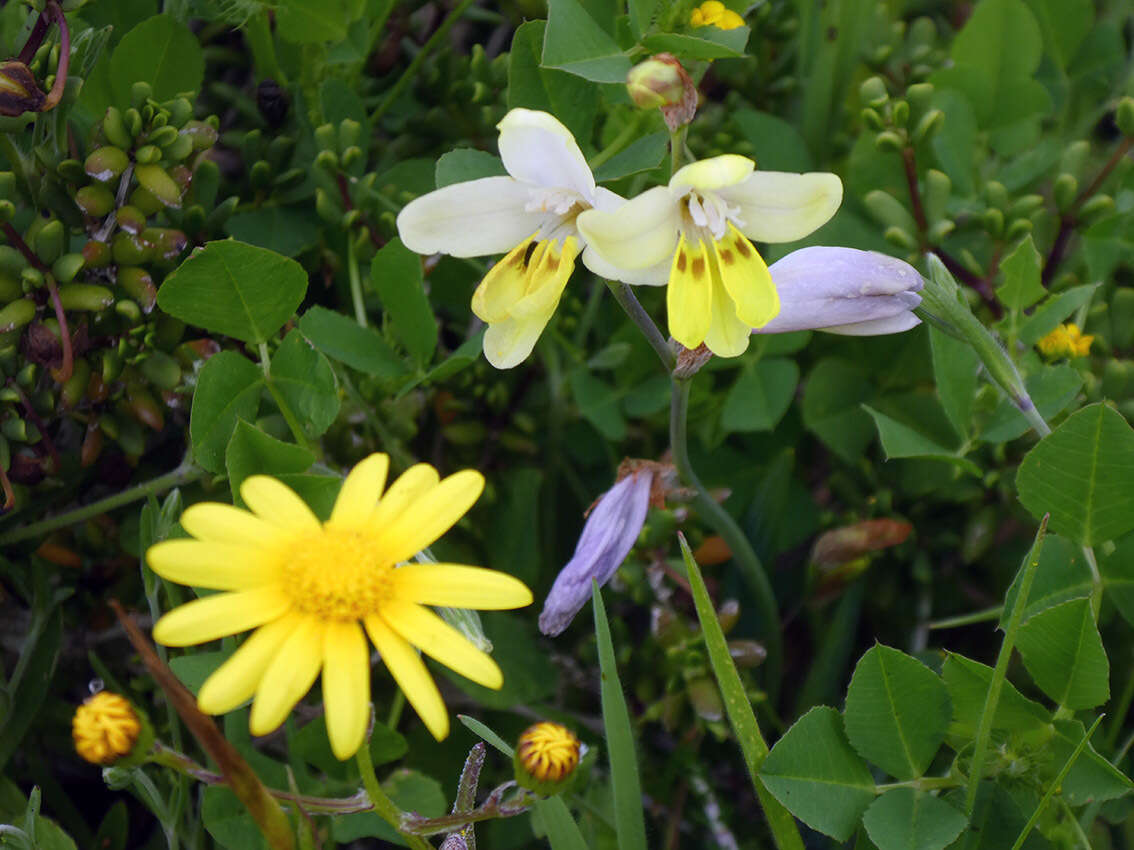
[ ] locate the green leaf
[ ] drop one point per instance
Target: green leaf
(626, 787)
(463, 164)
(955, 367)
(642, 14)
(1061, 574)
(397, 278)
(517, 651)
(410, 790)
(576, 43)
(572, 100)
(312, 21)
(598, 404)
(814, 772)
(1092, 777)
(1052, 388)
(1064, 24)
(1050, 313)
(761, 396)
(1083, 473)
(162, 52)
(1117, 570)
(897, 712)
(1021, 269)
(1063, 652)
(343, 339)
(905, 819)
(466, 354)
(253, 452)
(900, 440)
(955, 143)
(642, 154)
(832, 407)
(968, 682)
(39, 654)
(228, 390)
(708, 43)
(287, 230)
(512, 541)
(194, 669)
(228, 822)
(777, 145)
(307, 383)
(235, 289)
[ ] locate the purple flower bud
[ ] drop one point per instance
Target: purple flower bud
(844, 291)
(610, 531)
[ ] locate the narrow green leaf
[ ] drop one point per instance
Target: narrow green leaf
(1083, 473)
(1063, 652)
(1091, 778)
(625, 784)
(897, 712)
(228, 390)
(905, 819)
(343, 339)
(1062, 574)
(397, 278)
(1057, 308)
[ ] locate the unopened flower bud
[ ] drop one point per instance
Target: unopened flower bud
(1124, 116)
(19, 92)
(106, 728)
(657, 82)
(546, 757)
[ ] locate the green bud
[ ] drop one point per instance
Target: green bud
(901, 113)
(888, 210)
(114, 129)
(290, 179)
(17, 314)
(139, 285)
(996, 193)
(11, 261)
(161, 370)
(993, 221)
(326, 207)
(72, 171)
(106, 163)
(74, 389)
(32, 279)
(1063, 190)
(881, 53)
(350, 133)
(328, 161)
(326, 138)
(49, 241)
(350, 219)
(148, 155)
(130, 250)
(1075, 156)
(131, 219)
(95, 200)
(872, 119)
(66, 267)
(928, 125)
(206, 182)
(18, 430)
(7, 211)
(180, 110)
(163, 137)
(1025, 205)
(128, 310)
(140, 92)
(221, 214)
(260, 175)
(1017, 228)
(889, 142)
(1096, 207)
(251, 144)
(900, 237)
(160, 119)
(873, 92)
(167, 243)
(353, 158)
(202, 135)
(85, 296)
(194, 219)
(96, 254)
(155, 180)
(280, 151)
(923, 31)
(133, 121)
(938, 188)
(940, 229)
(10, 287)
(144, 200)
(167, 332)
(919, 95)
(1124, 116)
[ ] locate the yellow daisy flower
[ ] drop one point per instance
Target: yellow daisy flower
(313, 590)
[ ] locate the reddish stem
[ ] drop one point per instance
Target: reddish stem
(68, 365)
(20, 245)
(61, 71)
(9, 493)
(35, 39)
(40, 425)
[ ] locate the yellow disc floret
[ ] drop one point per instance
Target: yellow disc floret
(105, 728)
(337, 574)
(546, 755)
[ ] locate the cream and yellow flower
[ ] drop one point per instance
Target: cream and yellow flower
(528, 216)
(696, 235)
(713, 13)
(313, 590)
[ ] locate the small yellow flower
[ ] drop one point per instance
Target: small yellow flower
(713, 13)
(105, 728)
(546, 755)
(1066, 341)
(311, 588)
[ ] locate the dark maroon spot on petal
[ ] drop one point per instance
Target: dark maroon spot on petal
(682, 261)
(743, 248)
(699, 267)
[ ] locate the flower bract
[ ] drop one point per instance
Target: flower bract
(529, 216)
(696, 234)
(314, 590)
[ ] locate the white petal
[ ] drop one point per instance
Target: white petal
(828, 272)
(640, 233)
(537, 149)
(776, 206)
(893, 325)
(712, 174)
(470, 219)
(606, 199)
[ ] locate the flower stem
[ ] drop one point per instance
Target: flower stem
(618, 142)
(629, 302)
(414, 66)
(355, 283)
(56, 93)
(285, 409)
(383, 805)
(184, 474)
(724, 525)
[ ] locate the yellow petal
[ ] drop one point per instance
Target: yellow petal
(546, 278)
(275, 502)
(289, 675)
(411, 484)
(688, 299)
(640, 233)
(459, 586)
(776, 206)
(730, 20)
(746, 279)
(219, 523)
(346, 687)
(217, 566)
(439, 640)
(509, 342)
(235, 681)
(727, 335)
(431, 515)
(221, 615)
(504, 284)
(712, 174)
(409, 671)
(359, 495)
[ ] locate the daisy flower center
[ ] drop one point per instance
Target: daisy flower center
(338, 574)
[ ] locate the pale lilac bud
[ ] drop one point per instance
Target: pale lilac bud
(608, 536)
(844, 291)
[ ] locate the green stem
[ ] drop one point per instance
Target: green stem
(676, 149)
(924, 783)
(396, 707)
(412, 69)
(383, 805)
(724, 525)
(629, 302)
(618, 142)
(184, 474)
(355, 283)
(968, 619)
(1120, 711)
(984, 728)
(285, 409)
(258, 34)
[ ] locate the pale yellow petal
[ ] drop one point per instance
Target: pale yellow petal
(775, 206)
(537, 149)
(688, 299)
(547, 277)
(459, 586)
(346, 686)
(227, 524)
(217, 566)
(439, 640)
(505, 283)
(509, 342)
(275, 502)
(638, 234)
(235, 681)
(727, 336)
(746, 279)
(431, 515)
(221, 615)
(359, 495)
(709, 175)
(409, 671)
(411, 484)
(289, 675)
(470, 219)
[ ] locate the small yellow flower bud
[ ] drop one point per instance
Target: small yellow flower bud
(546, 757)
(1066, 341)
(105, 728)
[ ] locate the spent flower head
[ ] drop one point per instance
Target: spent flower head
(105, 728)
(529, 216)
(314, 590)
(696, 235)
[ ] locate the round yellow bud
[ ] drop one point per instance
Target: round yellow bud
(546, 757)
(105, 728)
